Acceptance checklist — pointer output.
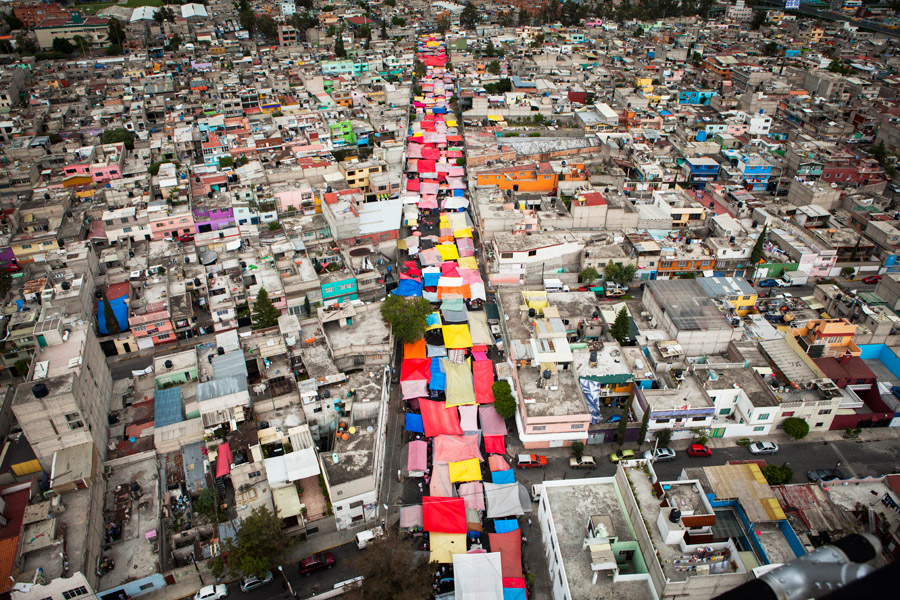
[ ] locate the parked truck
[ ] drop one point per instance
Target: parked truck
(794, 278)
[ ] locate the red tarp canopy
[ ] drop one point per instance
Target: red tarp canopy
(483, 374)
(509, 545)
(494, 444)
(415, 369)
(445, 515)
(437, 419)
(224, 460)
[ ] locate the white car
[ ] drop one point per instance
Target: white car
(662, 455)
(763, 448)
(212, 592)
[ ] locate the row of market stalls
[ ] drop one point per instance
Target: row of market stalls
(471, 503)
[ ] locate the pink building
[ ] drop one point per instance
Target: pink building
(169, 223)
(294, 198)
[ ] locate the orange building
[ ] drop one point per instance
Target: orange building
(540, 177)
(820, 338)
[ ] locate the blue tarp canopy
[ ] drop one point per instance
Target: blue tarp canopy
(408, 287)
(514, 594)
(507, 476)
(459, 192)
(431, 279)
(414, 423)
(120, 309)
(438, 379)
(505, 525)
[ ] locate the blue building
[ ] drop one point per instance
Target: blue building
(699, 171)
(697, 97)
(755, 171)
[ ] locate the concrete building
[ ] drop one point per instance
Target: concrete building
(65, 401)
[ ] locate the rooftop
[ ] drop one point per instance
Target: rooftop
(686, 303)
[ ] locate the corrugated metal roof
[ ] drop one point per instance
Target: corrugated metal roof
(220, 387)
(230, 364)
(167, 407)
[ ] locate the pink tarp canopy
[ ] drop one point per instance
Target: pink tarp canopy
(418, 456)
(440, 485)
(454, 448)
(483, 374)
(415, 369)
(411, 516)
(427, 202)
(472, 494)
(491, 422)
(413, 185)
(468, 417)
(498, 463)
(425, 166)
(414, 389)
(430, 153)
(223, 460)
(450, 269)
(440, 420)
(414, 151)
(494, 444)
(509, 545)
(444, 515)
(429, 188)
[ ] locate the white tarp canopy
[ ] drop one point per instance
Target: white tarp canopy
(478, 576)
(301, 464)
(505, 499)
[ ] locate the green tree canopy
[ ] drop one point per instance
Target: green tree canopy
(645, 423)
(796, 427)
(247, 19)
(469, 16)
(259, 546)
(407, 575)
(588, 274)
(778, 474)
(578, 449)
(63, 45)
(115, 136)
(339, 50)
(13, 21)
(494, 67)
(621, 274)
(504, 403)
(756, 253)
(115, 31)
(406, 316)
(623, 424)
(267, 26)
(619, 329)
(664, 436)
(265, 314)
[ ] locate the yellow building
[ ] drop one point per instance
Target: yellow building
(357, 173)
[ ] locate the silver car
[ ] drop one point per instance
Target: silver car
(661, 455)
(253, 582)
(763, 448)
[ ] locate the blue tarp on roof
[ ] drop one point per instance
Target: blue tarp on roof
(514, 594)
(408, 287)
(167, 407)
(120, 309)
(438, 379)
(505, 525)
(508, 476)
(414, 423)
(431, 280)
(459, 192)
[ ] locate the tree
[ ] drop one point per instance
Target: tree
(504, 403)
(259, 546)
(619, 329)
(494, 67)
(756, 253)
(469, 16)
(406, 316)
(383, 31)
(115, 31)
(267, 26)
(118, 135)
(578, 449)
(621, 274)
(339, 50)
(490, 50)
(645, 423)
(408, 575)
(759, 19)
(63, 45)
(623, 423)
(664, 437)
(205, 503)
(588, 274)
(21, 367)
(524, 18)
(855, 250)
(5, 283)
(796, 427)
(109, 317)
(174, 43)
(770, 49)
(306, 306)
(700, 436)
(639, 32)
(265, 314)
(778, 475)
(13, 21)
(247, 19)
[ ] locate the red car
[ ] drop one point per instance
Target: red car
(316, 562)
(186, 239)
(872, 279)
(526, 461)
(698, 450)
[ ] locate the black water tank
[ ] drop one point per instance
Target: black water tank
(675, 515)
(220, 350)
(531, 313)
(40, 390)
(169, 364)
(196, 282)
(548, 374)
(326, 394)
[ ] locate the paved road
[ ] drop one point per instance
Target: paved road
(305, 587)
(857, 458)
(122, 369)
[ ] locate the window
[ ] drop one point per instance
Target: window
(576, 426)
(789, 413)
(147, 586)
(74, 593)
(356, 504)
(820, 424)
(698, 419)
(662, 420)
(725, 411)
(759, 428)
(539, 428)
(532, 253)
(74, 421)
(825, 412)
(763, 416)
(356, 518)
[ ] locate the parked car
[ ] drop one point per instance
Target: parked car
(614, 419)
(825, 475)
(212, 592)
(253, 582)
(527, 461)
(536, 491)
(585, 462)
(697, 450)
(364, 537)
(185, 239)
(661, 455)
(871, 279)
(316, 562)
(763, 447)
(621, 455)
(767, 283)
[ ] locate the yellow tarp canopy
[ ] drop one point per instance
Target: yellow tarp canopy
(451, 123)
(445, 545)
(448, 251)
(465, 470)
(468, 262)
(457, 336)
(462, 233)
(495, 117)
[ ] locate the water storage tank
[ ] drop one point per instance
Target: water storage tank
(675, 515)
(169, 364)
(548, 374)
(39, 390)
